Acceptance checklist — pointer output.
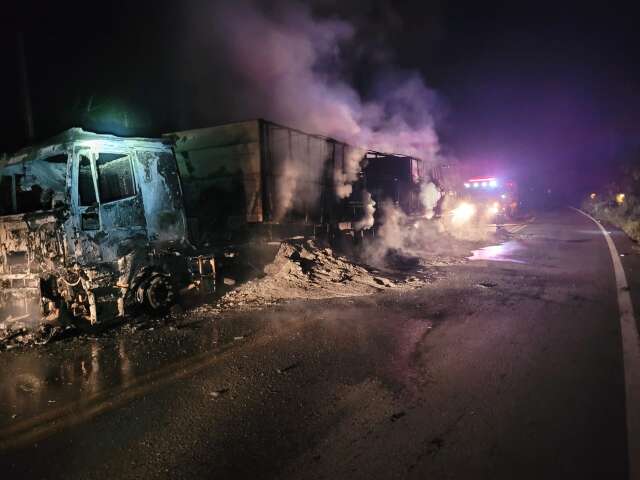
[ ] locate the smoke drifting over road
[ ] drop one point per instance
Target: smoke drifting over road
(401, 236)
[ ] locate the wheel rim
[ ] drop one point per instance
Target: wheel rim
(159, 293)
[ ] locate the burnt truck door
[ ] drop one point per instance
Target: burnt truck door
(109, 217)
(86, 215)
(162, 196)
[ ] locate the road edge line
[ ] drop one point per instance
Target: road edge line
(630, 353)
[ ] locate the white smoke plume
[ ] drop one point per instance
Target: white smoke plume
(429, 197)
(346, 177)
(289, 180)
(369, 210)
(286, 65)
(401, 236)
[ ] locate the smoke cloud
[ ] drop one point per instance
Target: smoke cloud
(287, 65)
(344, 179)
(291, 64)
(429, 197)
(401, 236)
(367, 220)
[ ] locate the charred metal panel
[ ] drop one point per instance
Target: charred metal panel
(220, 169)
(296, 173)
(122, 228)
(162, 196)
(31, 248)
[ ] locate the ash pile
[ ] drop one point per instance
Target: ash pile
(304, 269)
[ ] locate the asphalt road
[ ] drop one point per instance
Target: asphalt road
(508, 366)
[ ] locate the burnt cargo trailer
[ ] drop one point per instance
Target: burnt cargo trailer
(259, 179)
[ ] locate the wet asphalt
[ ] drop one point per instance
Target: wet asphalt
(507, 366)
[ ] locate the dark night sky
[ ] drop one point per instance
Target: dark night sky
(546, 91)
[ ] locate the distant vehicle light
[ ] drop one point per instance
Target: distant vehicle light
(503, 196)
(463, 212)
(493, 209)
(593, 195)
(493, 183)
(620, 198)
(467, 185)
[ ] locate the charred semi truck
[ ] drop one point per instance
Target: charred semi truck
(91, 225)
(94, 226)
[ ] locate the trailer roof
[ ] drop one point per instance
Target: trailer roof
(185, 134)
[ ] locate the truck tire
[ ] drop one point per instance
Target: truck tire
(157, 293)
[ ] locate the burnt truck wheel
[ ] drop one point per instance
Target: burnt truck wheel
(157, 293)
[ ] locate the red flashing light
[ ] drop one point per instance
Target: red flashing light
(485, 179)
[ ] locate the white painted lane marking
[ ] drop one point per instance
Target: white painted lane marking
(631, 355)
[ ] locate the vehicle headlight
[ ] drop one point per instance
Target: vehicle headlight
(494, 209)
(463, 212)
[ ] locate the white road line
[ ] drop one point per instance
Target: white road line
(631, 355)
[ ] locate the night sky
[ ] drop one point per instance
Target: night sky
(544, 92)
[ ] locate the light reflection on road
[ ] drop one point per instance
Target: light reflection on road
(71, 371)
(499, 253)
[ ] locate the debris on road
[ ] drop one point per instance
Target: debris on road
(20, 337)
(397, 416)
(303, 269)
(288, 367)
(218, 393)
(299, 269)
(383, 281)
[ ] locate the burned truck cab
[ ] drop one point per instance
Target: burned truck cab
(91, 225)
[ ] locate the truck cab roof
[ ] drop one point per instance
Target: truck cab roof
(60, 142)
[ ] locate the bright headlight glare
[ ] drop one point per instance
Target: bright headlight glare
(463, 212)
